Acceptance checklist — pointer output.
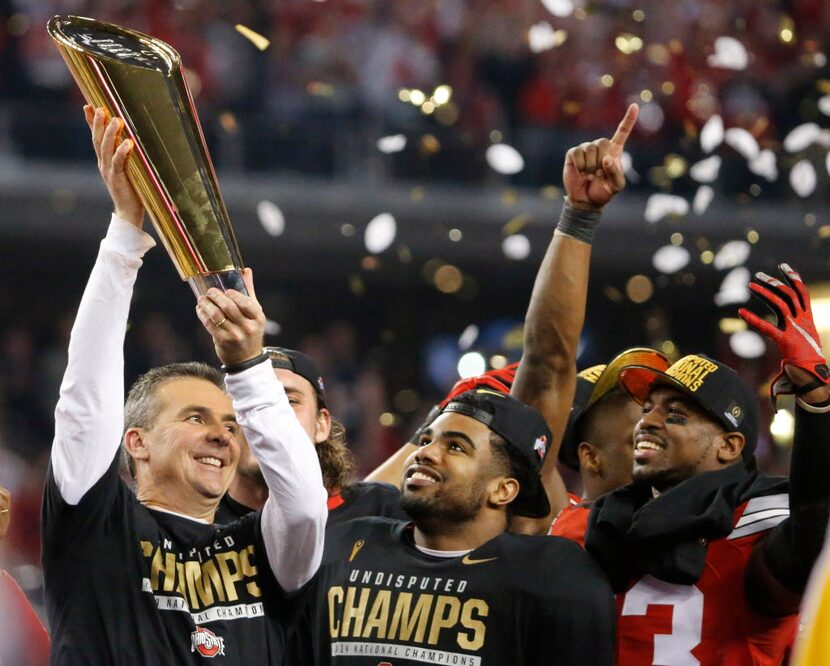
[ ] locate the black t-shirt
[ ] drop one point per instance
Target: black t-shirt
(356, 501)
(128, 585)
(514, 600)
(365, 499)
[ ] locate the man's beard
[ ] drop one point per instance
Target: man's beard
(437, 511)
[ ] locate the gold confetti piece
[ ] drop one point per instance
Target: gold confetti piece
(254, 37)
(824, 231)
(516, 224)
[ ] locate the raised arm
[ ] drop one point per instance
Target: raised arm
(781, 564)
(546, 377)
(294, 515)
(89, 414)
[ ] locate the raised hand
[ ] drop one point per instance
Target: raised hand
(593, 171)
(106, 133)
(235, 321)
(803, 364)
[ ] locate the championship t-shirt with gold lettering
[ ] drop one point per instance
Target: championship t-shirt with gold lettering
(516, 599)
(129, 585)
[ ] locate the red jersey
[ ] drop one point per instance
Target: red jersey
(710, 622)
(572, 521)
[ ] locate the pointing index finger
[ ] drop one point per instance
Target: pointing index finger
(624, 129)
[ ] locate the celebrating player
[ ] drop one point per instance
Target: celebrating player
(598, 442)
(709, 556)
(146, 578)
(454, 586)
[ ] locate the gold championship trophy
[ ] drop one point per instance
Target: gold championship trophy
(139, 79)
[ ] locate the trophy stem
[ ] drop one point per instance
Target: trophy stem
(225, 280)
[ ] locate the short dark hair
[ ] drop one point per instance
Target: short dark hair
(141, 406)
(511, 463)
(586, 426)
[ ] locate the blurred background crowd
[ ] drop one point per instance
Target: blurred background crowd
(393, 168)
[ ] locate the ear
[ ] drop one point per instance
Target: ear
(588, 458)
(322, 426)
(504, 491)
(136, 445)
(730, 448)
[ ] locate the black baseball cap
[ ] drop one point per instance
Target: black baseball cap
(301, 364)
(593, 384)
(714, 386)
(523, 428)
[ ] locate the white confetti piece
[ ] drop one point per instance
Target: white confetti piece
(468, 337)
(541, 37)
(272, 327)
(659, 206)
(711, 136)
(706, 171)
(824, 105)
(380, 233)
(504, 159)
(803, 178)
(703, 197)
(516, 247)
(742, 141)
(802, 137)
(827, 163)
(747, 344)
(765, 165)
(734, 288)
(394, 143)
(471, 364)
(729, 54)
(559, 7)
(670, 259)
(732, 254)
(271, 218)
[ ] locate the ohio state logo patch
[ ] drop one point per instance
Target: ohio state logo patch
(206, 643)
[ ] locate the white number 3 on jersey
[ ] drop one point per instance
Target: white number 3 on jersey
(674, 649)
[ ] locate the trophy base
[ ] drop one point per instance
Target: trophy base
(224, 281)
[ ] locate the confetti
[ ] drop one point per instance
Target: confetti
(254, 37)
(516, 247)
(504, 159)
(661, 205)
(271, 218)
(706, 171)
(765, 165)
(471, 364)
(802, 137)
(392, 144)
(732, 254)
(559, 8)
(711, 136)
(380, 232)
(703, 197)
(468, 337)
(747, 344)
(803, 178)
(628, 167)
(734, 288)
(824, 105)
(670, 259)
(541, 37)
(742, 141)
(272, 327)
(729, 54)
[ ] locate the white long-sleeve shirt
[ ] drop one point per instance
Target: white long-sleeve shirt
(89, 417)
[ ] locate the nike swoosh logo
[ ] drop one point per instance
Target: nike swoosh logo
(469, 560)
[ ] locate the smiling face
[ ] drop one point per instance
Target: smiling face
(186, 459)
(676, 439)
(453, 475)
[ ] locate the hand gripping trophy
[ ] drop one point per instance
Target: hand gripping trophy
(139, 79)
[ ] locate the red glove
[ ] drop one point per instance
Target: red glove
(794, 333)
(498, 380)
